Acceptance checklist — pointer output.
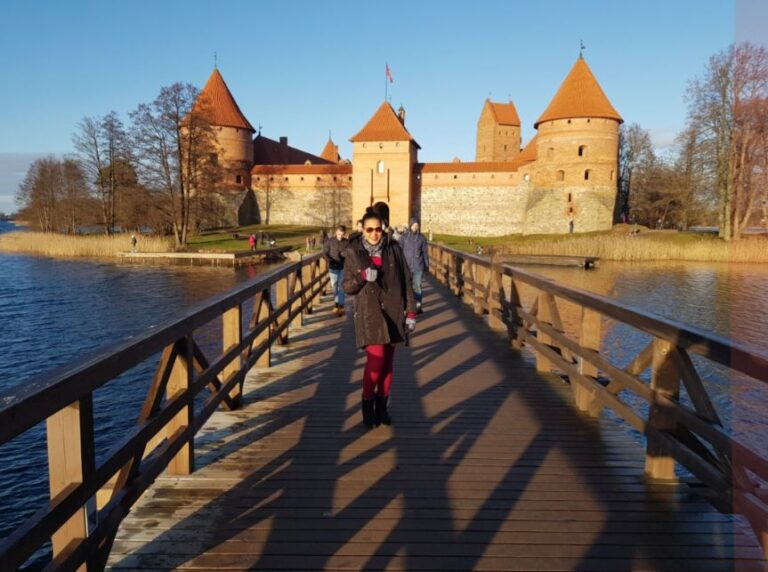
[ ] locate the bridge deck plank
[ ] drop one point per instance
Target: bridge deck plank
(487, 467)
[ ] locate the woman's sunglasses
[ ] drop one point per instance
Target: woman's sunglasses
(371, 229)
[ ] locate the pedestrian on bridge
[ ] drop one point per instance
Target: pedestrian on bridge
(416, 252)
(376, 273)
(334, 250)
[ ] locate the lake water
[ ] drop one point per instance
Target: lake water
(52, 311)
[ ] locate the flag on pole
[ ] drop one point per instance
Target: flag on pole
(389, 74)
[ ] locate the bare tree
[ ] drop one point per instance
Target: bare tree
(102, 146)
(175, 148)
(727, 109)
(74, 198)
(635, 151)
(331, 204)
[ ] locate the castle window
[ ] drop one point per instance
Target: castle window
(258, 179)
(569, 122)
(560, 176)
(586, 174)
(334, 177)
(380, 167)
(318, 179)
(505, 147)
(570, 197)
(582, 150)
(286, 179)
(526, 177)
(239, 179)
(302, 178)
(271, 178)
(613, 174)
(455, 176)
(349, 178)
(588, 120)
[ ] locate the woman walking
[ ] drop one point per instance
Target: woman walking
(375, 272)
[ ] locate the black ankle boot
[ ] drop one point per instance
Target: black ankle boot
(369, 415)
(382, 415)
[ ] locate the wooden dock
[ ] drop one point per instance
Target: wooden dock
(487, 466)
(204, 257)
(586, 262)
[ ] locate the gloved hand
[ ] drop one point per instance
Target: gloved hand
(370, 274)
(410, 325)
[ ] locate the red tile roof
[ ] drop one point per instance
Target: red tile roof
(526, 156)
(217, 102)
(504, 113)
(267, 151)
(326, 169)
(330, 152)
(579, 96)
(385, 125)
(529, 152)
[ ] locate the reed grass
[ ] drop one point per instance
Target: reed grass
(618, 246)
(68, 246)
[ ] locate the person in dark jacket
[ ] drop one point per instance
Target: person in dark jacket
(414, 245)
(376, 273)
(333, 251)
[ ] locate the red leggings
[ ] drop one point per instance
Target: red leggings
(377, 376)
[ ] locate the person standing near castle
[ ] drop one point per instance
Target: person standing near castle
(252, 241)
(334, 250)
(376, 273)
(414, 245)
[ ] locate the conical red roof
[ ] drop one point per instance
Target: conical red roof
(579, 96)
(219, 105)
(385, 125)
(330, 152)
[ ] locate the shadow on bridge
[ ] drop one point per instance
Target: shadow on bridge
(486, 467)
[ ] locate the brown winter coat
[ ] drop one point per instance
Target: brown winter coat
(381, 306)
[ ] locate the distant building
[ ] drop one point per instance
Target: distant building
(563, 179)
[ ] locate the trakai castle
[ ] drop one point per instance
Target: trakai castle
(563, 179)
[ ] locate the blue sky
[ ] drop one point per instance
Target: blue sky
(301, 69)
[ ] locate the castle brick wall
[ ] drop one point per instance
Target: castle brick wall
(317, 202)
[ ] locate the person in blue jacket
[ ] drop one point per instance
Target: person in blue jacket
(414, 245)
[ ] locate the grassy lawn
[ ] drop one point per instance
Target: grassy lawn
(292, 235)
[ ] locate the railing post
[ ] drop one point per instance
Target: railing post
(467, 281)
(71, 461)
(231, 337)
(495, 297)
(307, 299)
(293, 282)
(665, 379)
(515, 320)
(281, 297)
(589, 338)
(178, 383)
(479, 276)
(261, 313)
(542, 363)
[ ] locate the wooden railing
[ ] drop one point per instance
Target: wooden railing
(163, 437)
(691, 434)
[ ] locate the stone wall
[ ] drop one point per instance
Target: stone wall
(324, 206)
(474, 210)
(548, 211)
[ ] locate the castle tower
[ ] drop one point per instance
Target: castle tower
(233, 131)
(498, 132)
(383, 156)
(577, 145)
(331, 151)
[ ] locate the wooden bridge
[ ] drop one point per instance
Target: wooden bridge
(499, 458)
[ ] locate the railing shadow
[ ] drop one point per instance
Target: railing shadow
(482, 469)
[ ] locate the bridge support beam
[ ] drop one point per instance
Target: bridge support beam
(231, 337)
(71, 461)
(180, 382)
(589, 338)
(665, 379)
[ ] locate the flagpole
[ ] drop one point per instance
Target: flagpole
(386, 79)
